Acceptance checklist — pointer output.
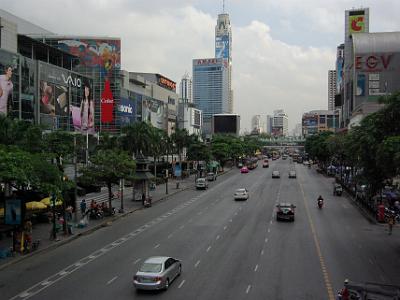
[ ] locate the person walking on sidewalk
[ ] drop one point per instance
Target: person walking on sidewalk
(83, 207)
(391, 222)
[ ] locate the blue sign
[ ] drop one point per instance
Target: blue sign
(222, 47)
(127, 111)
(13, 212)
(178, 171)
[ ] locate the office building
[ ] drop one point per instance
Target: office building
(185, 89)
(279, 124)
(317, 121)
(210, 88)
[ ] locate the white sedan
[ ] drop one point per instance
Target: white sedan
(241, 194)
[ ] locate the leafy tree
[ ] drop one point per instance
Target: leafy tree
(181, 140)
(136, 138)
(108, 167)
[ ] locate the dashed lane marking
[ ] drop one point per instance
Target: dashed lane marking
(181, 284)
(197, 264)
(248, 289)
(136, 261)
(111, 281)
(217, 238)
(156, 246)
(208, 249)
(256, 268)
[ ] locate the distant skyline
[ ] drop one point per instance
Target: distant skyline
(282, 50)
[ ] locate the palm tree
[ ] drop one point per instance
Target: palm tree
(181, 140)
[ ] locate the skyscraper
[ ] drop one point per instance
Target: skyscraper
(210, 92)
(223, 49)
(185, 89)
(331, 89)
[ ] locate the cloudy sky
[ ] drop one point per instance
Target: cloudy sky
(282, 49)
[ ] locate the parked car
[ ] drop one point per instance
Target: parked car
(157, 273)
(201, 183)
(276, 174)
(240, 165)
(211, 176)
(241, 194)
(292, 174)
(244, 170)
(265, 164)
(285, 211)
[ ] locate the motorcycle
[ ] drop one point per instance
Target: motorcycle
(320, 203)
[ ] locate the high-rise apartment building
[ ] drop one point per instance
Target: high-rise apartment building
(331, 89)
(185, 89)
(280, 123)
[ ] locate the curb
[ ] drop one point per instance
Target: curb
(94, 228)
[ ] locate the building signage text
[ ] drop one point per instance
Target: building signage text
(209, 61)
(165, 82)
(373, 62)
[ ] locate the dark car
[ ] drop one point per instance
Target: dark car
(285, 211)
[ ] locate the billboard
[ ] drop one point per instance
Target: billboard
(357, 21)
(226, 124)
(196, 118)
(9, 75)
(107, 103)
(339, 74)
(66, 96)
(222, 47)
(153, 112)
(104, 54)
(127, 111)
(166, 83)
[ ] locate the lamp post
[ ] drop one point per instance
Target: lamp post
(121, 195)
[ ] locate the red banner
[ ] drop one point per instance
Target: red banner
(107, 103)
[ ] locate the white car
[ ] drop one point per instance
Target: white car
(241, 194)
(201, 183)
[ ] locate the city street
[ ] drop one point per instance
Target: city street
(228, 249)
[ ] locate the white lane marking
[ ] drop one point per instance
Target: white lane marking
(269, 229)
(236, 213)
(208, 249)
(46, 283)
(156, 246)
(248, 289)
(270, 222)
(170, 236)
(136, 261)
(183, 281)
(230, 220)
(266, 240)
(224, 227)
(262, 252)
(256, 268)
(110, 281)
(217, 238)
(199, 213)
(197, 264)
(183, 226)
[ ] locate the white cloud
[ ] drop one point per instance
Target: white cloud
(270, 75)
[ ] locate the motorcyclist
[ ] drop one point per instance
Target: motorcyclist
(320, 201)
(344, 293)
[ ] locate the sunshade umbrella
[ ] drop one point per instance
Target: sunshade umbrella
(35, 205)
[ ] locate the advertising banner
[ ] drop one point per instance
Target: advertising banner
(153, 112)
(13, 212)
(360, 85)
(8, 81)
(222, 47)
(127, 111)
(105, 54)
(339, 74)
(107, 104)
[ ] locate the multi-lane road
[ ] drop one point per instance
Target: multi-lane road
(228, 249)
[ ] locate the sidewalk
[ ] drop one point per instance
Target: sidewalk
(41, 231)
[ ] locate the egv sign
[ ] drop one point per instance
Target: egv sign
(373, 62)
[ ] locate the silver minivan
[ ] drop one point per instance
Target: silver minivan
(211, 176)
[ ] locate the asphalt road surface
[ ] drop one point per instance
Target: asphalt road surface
(229, 249)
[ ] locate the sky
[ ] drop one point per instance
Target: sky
(281, 50)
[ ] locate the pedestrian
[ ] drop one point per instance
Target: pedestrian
(143, 199)
(83, 207)
(391, 222)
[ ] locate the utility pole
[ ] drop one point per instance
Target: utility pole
(166, 181)
(121, 195)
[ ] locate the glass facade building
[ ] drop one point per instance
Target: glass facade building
(210, 88)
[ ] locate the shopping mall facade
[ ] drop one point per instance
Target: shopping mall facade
(76, 83)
